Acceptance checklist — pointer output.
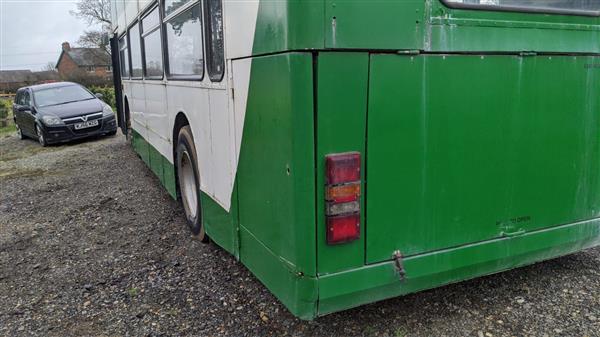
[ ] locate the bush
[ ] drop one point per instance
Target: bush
(108, 93)
(5, 108)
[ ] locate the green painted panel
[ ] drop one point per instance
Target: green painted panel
(169, 180)
(376, 282)
(221, 226)
(288, 25)
(298, 292)
(463, 149)
(143, 150)
(159, 165)
(156, 162)
(384, 24)
(276, 183)
(481, 30)
(341, 127)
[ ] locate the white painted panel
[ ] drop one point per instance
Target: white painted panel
(241, 83)
(121, 20)
(193, 102)
(131, 11)
(137, 106)
(157, 119)
(240, 24)
(136, 125)
(143, 4)
(224, 173)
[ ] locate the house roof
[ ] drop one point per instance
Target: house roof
(86, 57)
(15, 76)
(46, 75)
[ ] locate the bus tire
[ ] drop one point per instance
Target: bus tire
(189, 182)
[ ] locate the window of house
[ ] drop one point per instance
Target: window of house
(153, 62)
(215, 54)
(582, 6)
(124, 57)
(184, 44)
(135, 49)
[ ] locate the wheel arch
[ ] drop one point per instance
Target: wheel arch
(180, 121)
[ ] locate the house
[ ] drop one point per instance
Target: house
(78, 61)
(10, 80)
(46, 76)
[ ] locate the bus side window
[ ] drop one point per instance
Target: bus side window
(183, 36)
(124, 57)
(135, 48)
(215, 60)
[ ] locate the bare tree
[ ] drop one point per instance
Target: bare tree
(50, 66)
(95, 39)
(94, 12)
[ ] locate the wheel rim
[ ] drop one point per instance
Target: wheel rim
(187, 185)
(19, 133)
(40, 135)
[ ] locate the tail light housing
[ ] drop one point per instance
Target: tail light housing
(342, 197)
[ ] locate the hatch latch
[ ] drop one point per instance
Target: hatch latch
(399, 264)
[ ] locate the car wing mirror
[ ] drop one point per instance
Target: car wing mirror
(23, 108)
(99, 96)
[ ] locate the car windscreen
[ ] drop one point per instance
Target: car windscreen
(61, 95)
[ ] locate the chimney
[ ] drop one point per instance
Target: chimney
(66, 46)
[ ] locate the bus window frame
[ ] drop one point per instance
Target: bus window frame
(517, 9)
(164, 21)
(145, 33)
(126, 48)
(138, 23)
(207, 45)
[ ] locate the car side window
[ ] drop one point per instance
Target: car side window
(18, 98)
(26, 99)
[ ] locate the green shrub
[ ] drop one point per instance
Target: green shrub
(108, 93)
(5, 108)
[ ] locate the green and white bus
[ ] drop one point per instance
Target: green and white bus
(349, 151)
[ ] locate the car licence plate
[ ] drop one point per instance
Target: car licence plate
(85, 125)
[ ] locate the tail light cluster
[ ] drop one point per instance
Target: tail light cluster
(342, 197)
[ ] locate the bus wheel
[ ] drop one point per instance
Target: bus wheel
(189, 182)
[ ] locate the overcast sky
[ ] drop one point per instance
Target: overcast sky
(32, 31)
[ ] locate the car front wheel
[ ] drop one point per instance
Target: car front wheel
(41, 136)
(20, 132)
(189, 182)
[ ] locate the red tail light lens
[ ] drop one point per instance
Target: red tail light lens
(342, 195)
(343, 168)
(344, 228)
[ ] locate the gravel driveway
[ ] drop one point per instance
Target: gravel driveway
(91, 245)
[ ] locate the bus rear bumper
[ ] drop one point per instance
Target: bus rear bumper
(380, 281)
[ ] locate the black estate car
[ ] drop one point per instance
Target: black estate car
(60, 112)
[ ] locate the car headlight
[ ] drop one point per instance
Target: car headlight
(107, 111)
(51, 120)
